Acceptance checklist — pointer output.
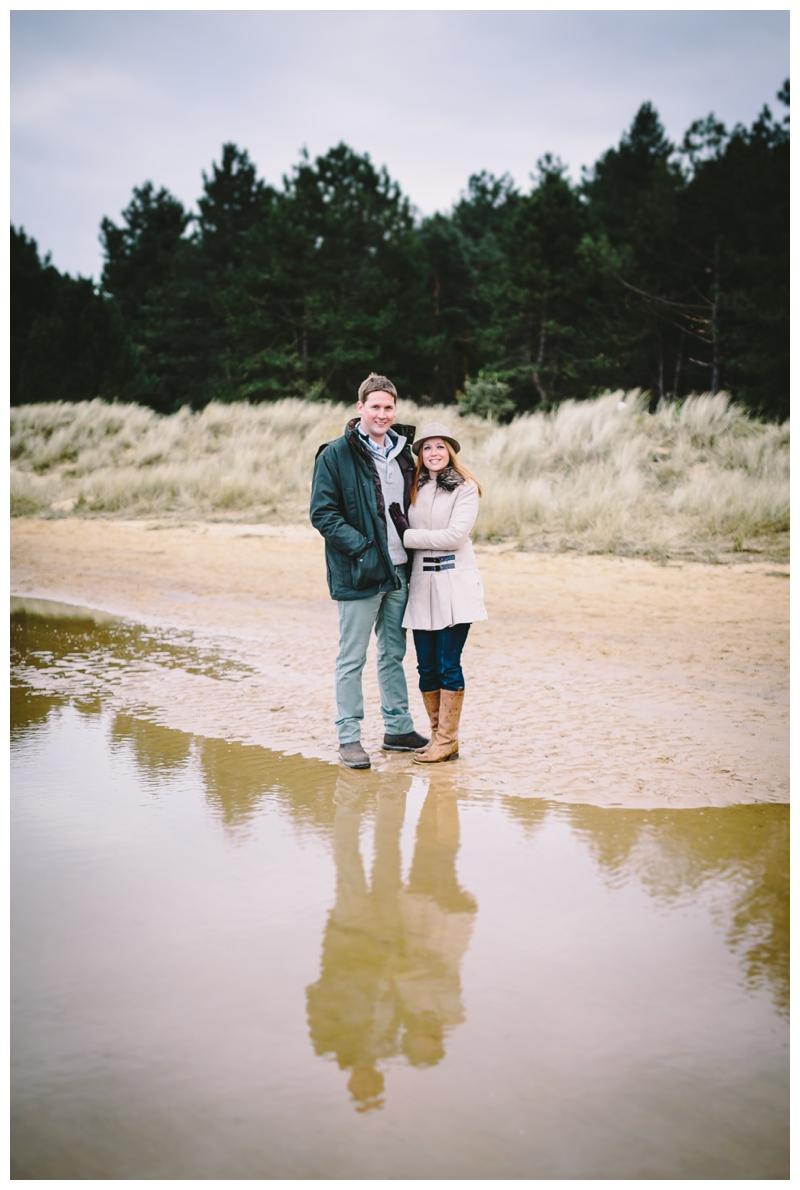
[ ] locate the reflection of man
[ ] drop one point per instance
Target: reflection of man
(389, 982)
(351, 1009)
(356, 478)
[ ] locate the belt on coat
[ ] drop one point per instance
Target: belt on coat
(443, 562)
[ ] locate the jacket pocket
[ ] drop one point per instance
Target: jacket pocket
(368, 568)
(339, 575)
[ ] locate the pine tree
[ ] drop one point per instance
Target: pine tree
(633, 193)
(68, 342)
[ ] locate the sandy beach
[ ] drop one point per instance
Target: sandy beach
(599, 680)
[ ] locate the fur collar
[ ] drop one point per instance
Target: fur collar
(449, 479)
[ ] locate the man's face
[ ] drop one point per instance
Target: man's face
(378, 411)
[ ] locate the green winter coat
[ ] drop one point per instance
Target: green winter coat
(347, 509)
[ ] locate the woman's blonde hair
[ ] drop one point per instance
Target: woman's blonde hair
(455, 463)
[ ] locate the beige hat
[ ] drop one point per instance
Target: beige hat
(435, 429)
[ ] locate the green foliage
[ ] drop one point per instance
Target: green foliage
(140, 254)
(67, 340)
(666, 269)
(232, 203)
(34, 285)
(486, 395)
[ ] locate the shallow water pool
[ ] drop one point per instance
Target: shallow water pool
(232, 963)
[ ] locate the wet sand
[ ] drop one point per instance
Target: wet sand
(597, 680)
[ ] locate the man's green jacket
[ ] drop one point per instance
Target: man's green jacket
(348, 510)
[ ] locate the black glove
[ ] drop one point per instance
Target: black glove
(399, 519)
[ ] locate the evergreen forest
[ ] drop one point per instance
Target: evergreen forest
(666, 268)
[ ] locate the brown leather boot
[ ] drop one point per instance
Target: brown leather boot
(431, 700)
(444, 745)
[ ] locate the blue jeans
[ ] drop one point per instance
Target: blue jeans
(439, 657)
(357, 618)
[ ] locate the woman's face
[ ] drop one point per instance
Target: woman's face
(434, 454)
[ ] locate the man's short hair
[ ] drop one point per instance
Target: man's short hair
(376, 384)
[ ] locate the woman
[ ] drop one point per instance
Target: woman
(445, 591)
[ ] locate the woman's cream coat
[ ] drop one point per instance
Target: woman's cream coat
(445, 586)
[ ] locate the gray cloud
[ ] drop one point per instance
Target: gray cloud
(102, 101)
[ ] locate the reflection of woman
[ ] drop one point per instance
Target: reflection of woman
(352, 1008)
(445, 591)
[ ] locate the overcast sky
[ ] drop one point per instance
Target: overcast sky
(103, 101)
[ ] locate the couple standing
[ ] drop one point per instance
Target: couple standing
(372, 502)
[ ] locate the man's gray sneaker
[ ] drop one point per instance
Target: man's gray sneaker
(408, 742)
(353, 755)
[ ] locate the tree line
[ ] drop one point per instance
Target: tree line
(666, 268)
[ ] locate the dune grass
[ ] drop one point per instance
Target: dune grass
(697, 478)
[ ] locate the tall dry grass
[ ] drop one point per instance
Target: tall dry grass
(699, 478)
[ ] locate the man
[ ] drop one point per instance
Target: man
(356, 478)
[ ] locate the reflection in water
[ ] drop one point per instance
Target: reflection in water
(85, 646)
(157, 750)
(238, 777)
(29, 708)
(740, 852)
(90, 706)
(627, 973)
(390, 980)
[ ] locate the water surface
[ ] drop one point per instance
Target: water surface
(232, 963)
